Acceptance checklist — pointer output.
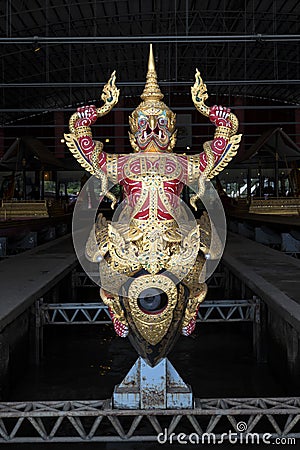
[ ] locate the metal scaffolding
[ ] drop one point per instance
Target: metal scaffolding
(97, 313)
(96, 421)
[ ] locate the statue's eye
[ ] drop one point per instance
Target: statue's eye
(142, 122)
(162, 121)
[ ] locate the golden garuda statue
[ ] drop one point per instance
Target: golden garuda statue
(152, 265)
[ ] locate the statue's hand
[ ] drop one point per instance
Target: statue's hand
(219, 115)
(87, 116)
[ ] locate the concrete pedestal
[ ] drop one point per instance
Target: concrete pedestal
(146, 387)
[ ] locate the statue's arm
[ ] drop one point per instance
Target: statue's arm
(81, 126)
(80, 141)
(213, 150)
(87, 151)
(218, 152)
(205, 162)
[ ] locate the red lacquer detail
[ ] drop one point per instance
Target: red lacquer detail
(87, 116)
(87, 145)
(120, 328)
(219, 116)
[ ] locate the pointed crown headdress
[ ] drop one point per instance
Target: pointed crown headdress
(151, 90)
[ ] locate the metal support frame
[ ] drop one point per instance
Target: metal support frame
(96, 313)
(96, 421)
(260, 327)
(39, 332)
(260, 318)
(74, 314)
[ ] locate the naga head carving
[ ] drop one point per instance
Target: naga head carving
(152, 123)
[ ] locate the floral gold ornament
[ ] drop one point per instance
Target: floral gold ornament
(153, 259)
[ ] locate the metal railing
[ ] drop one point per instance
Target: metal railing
(96, 313)
(259, 420)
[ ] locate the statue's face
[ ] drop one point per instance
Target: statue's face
(153, 134)
(152, 129)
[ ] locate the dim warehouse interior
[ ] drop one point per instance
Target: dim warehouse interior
(199, 362)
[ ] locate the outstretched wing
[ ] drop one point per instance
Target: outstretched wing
(230, 152)
(75, 149)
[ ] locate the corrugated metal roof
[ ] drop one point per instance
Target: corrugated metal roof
(240, 62)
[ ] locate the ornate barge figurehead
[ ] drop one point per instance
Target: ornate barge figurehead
(153, 264)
